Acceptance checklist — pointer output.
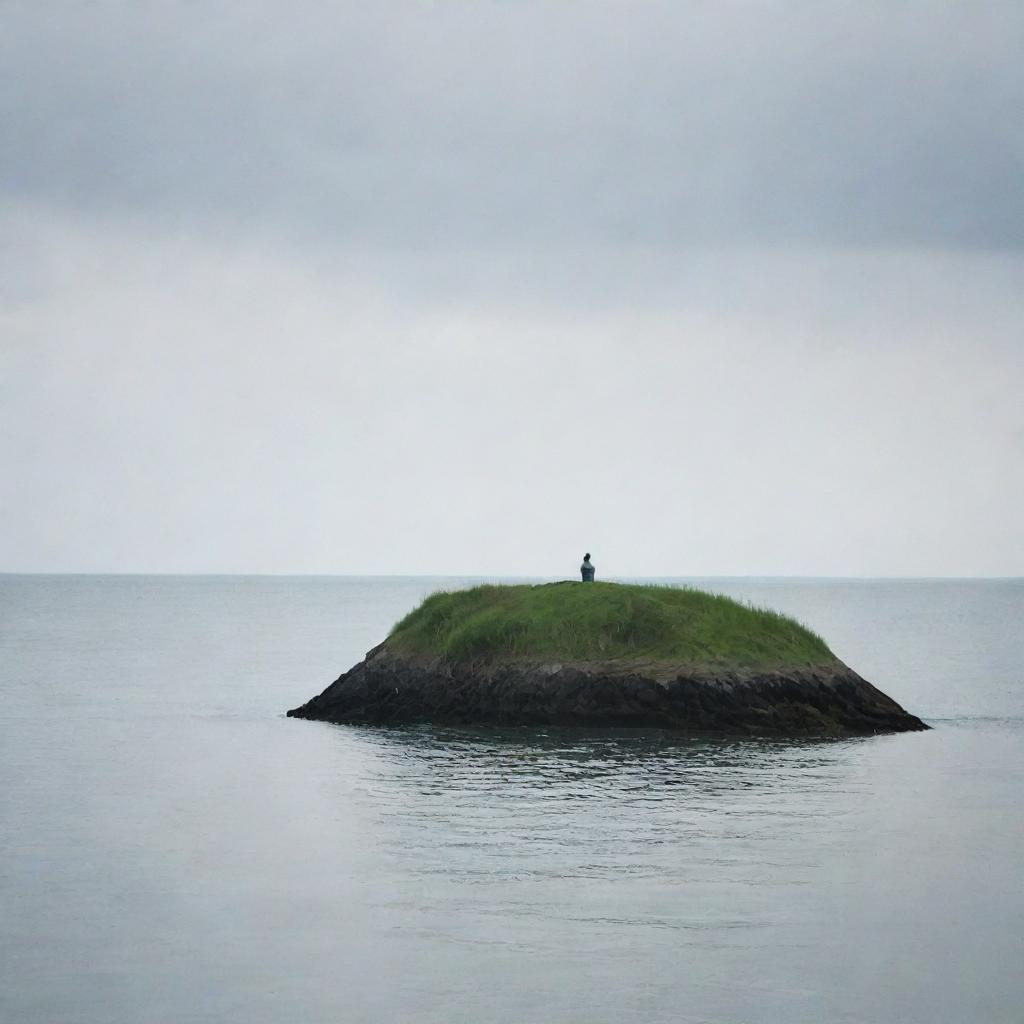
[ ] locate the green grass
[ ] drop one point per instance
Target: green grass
(603, 622)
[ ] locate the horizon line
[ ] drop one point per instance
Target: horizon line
(492, 575)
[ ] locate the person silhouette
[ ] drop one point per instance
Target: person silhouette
(587, 569)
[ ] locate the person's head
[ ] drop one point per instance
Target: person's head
(586, 557)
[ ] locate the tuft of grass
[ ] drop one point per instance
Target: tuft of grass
(604, 622)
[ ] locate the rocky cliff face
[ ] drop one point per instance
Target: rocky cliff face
(829, 700)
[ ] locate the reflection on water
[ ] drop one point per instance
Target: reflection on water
(575, 763)
(642, 812)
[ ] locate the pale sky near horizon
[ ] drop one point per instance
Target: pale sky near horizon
(704, 288)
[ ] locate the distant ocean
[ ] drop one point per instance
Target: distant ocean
(174, 850)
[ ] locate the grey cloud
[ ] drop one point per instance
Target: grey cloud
(499, 124)
(721, 287)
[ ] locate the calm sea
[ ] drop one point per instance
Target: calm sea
(176, 851)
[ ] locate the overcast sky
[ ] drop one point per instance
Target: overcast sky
(702, 287)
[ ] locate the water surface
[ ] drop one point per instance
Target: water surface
(174, 850)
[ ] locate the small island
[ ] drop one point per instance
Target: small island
(607, 654)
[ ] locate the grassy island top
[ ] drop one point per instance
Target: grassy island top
(601, 622)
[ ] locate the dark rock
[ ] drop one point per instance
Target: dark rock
(825, 700)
